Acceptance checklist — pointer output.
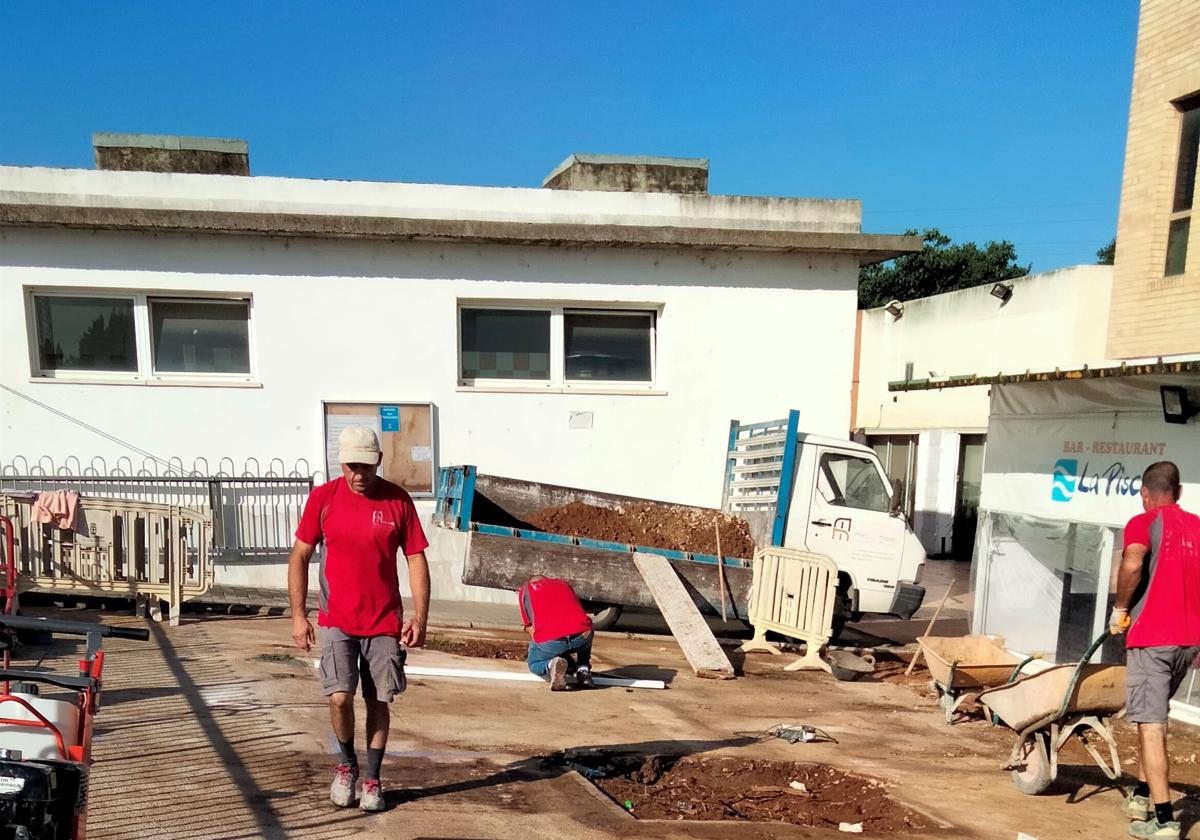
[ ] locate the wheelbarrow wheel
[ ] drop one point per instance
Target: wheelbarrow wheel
(1032, 774)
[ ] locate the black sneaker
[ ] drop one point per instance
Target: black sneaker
(558, 674)
(583, 678)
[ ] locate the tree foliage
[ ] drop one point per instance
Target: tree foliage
(938, 267)
(1107, 254)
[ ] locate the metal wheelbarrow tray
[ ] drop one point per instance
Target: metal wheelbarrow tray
(1048, 708)
(962, 666)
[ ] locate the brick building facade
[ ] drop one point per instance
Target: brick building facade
(1155, 307)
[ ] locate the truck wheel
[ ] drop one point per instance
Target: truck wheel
(604, 616)
(843, 611)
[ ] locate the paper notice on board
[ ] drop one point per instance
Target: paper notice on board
(389, 418)
(422, 453)
(334, 424)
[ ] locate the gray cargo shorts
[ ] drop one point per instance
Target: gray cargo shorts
(1152, 676)
(376, 661)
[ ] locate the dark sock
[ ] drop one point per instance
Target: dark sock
(374, 762)
(348, 756)
(1142, 789)
(1163, 812)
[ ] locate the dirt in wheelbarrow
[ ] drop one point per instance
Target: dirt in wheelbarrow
(654, 525)
(715, 788)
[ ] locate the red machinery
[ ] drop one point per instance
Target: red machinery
(46, 743)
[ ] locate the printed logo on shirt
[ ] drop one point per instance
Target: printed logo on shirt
(378, 520)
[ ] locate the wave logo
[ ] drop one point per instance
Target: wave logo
(1065, 481)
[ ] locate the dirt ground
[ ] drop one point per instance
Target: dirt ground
(657, 526)
(217, 729)
(479, 648)
(700, 788)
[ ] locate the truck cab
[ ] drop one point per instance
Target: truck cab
(842, 507)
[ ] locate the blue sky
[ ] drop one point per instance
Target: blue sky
(990, 120)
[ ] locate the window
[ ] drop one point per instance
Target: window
(505, 344)
(133, 336)
(198, 336)
(556, 346)
(85, 333)
(853, 481)
(1185, 185)
(608, 346)
(898, 454)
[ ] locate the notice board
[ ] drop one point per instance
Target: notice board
(405, 432)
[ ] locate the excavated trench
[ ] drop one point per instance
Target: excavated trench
(696, 787)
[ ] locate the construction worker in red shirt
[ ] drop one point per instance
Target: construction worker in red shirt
(364, 522)
(560, 632)
(1158, 607)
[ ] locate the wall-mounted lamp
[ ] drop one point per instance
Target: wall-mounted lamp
(1002, 291)
(1177, 408)
(894, 308)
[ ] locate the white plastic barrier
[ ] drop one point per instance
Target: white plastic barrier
(141, 550)
(793, 594)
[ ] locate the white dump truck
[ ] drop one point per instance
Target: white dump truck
(820, 494)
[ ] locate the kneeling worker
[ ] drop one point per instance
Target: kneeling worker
(560, 630)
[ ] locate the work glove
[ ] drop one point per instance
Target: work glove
(1119, 621)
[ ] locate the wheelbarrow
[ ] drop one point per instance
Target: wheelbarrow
(1049, 708)
(960, 668)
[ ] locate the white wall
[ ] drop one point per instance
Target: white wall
(1054, 319)
(745, 335)
(936, 488)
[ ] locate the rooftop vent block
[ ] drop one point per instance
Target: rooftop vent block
(166, 153)
(624, 173)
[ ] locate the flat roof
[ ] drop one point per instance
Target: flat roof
(972, 379)
(270, 206)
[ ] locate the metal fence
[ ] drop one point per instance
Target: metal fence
(251, 515)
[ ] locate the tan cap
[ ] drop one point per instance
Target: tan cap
(358, 445)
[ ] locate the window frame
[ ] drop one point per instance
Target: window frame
(34, 337)
(1181, 218)
(558, 383)
(152, 350)
(840, 499)
(649, 314)
(491, 382)
(912, 446)
(145, 373)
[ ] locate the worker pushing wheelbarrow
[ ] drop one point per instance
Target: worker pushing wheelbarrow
(1158, 606)
(1049, 708)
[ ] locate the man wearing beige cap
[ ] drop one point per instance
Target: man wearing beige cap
(363, 521)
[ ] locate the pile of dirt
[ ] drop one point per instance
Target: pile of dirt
(655, 526)
(481, 648)
(699, 788)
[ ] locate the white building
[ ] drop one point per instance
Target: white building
(934, 439)
(205, 324)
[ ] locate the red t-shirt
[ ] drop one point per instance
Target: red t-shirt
(1168, 609)
(550, 606)
(360, 588)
